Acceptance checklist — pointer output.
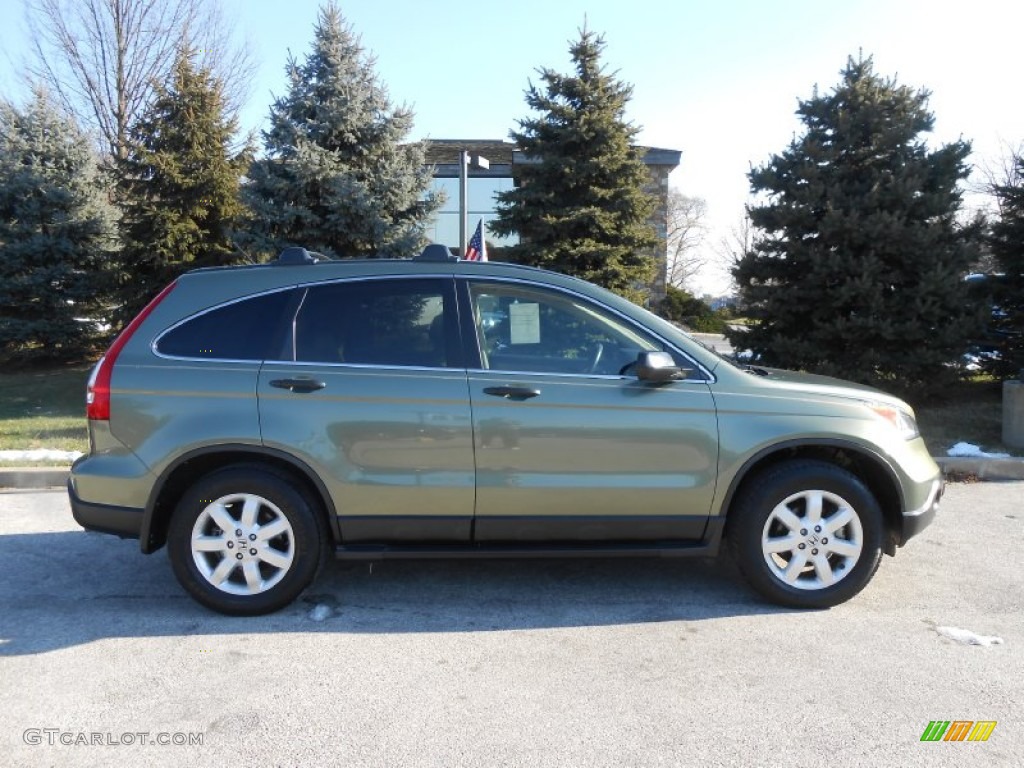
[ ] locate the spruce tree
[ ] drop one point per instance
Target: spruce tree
(337, 176)
(857, 269)
(179, 185)
(1007, 244)
(681, 306)
(57, 232)
(580, 205)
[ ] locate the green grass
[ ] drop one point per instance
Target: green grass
(970, 412)
(44, 408)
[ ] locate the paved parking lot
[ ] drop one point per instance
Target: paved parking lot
(575, 663)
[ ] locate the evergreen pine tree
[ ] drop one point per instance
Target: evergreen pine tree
(681, 306)
(1007, 243)
(858, 268)
(180, 186)
(57, 231)
(580, 205)
(337, 176)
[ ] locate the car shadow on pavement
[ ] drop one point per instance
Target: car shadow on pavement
(70, 588)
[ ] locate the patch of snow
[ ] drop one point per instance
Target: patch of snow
(40, 454)
(972, 451)
(323, 612)
(967, 637)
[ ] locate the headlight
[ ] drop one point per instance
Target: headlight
(901, 418)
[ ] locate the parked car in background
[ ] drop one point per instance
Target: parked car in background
(256, 420)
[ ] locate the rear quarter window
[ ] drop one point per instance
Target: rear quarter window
(250, 329)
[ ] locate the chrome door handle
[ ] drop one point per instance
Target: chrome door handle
(512, 393)
(298, 385)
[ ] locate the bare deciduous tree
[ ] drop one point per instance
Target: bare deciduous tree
(102, 57)
(686, 230)
(1004, 171)
(735, 243)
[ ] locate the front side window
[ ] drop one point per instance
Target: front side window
(534, 330)
(379, 322)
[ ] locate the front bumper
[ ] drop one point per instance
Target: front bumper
(916, 520)
(125, 522)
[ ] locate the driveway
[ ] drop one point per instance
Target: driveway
(542, 663)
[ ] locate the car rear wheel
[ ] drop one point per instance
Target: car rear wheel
(244, 541)
(807, 534)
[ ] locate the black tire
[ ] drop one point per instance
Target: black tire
(261, 567)
(798, 574)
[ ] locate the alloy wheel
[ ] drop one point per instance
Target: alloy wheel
(812, 539)
(242, 544)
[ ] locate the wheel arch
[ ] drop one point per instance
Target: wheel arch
(189, 467)
(871, 467)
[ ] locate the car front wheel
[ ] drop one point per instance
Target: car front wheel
(807, 534)
(244, 541)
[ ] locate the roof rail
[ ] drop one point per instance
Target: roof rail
(435, 252)
(298, 255)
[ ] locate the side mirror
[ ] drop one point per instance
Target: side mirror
(658, 367)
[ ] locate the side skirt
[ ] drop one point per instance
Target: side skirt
(708, 547)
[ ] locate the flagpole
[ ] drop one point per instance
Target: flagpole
(463, 189)
(478, 161)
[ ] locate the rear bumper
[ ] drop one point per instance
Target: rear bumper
(916, 520)
(125, 522)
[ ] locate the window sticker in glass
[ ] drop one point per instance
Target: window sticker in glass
(524, 322)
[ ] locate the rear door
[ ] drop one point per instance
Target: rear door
(373, 395)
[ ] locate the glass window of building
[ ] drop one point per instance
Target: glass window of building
(480, 204)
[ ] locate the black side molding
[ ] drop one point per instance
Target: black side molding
(399, 551)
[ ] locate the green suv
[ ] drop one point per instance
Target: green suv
(257, 419)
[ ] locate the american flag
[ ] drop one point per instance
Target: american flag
(477, 248)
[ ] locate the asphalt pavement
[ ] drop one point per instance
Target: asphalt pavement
(518, 663)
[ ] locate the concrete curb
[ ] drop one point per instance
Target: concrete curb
(34, 477)
(983, 469)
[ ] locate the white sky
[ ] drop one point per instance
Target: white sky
(717, 79)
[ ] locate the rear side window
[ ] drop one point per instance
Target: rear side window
(380, 322)
(251, 329)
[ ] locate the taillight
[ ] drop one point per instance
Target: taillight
(97, 393)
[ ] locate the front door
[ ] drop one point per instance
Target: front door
(570, 445)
